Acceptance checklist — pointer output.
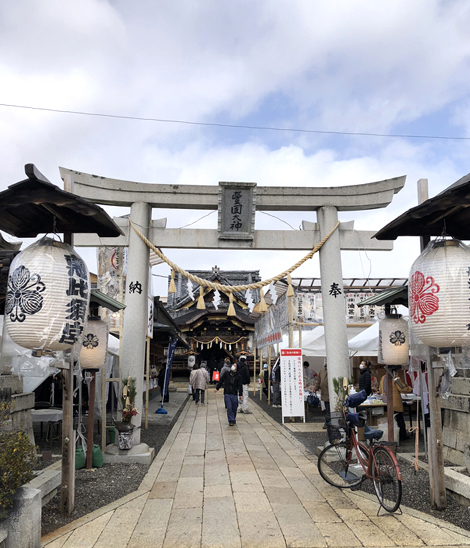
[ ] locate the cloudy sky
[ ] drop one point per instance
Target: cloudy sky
(339, 66)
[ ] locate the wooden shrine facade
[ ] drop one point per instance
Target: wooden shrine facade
(210, 333)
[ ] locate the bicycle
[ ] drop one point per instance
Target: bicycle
(346, 463)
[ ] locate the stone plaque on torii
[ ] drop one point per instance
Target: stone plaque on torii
(325, 201)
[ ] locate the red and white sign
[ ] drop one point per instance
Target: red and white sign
(292, 383)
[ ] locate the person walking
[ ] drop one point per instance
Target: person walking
(265, 379)
(192, 376)
(199, 383)
(365, 379)
(226, 367)
(276, 384)
(233, 388)
(244, 371)
(322, 384)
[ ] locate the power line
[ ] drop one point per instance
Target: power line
(238, 126)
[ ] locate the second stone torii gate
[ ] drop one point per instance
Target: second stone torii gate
(236, 203)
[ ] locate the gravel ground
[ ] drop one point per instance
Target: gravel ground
(98, 487)
(415, 485)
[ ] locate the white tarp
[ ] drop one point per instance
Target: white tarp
(316, 345)
(113, 345)
(366, 343)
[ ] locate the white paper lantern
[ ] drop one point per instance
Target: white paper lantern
(47, 296)
(439, 294)
(394, 343)
(95, 344)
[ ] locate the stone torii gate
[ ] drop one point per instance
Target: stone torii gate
(236, 204)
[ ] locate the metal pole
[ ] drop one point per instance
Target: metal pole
(91, 419)
(147, 384)
(254, 372)
(420, 402)
(390, 414)
(269, 375)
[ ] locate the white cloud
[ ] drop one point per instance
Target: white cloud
(342, 65)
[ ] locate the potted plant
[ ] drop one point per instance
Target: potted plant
(125, 427)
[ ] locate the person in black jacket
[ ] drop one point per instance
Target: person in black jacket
(233, 388)
(244, 371)
(365, 379)
(276, 384)
(265, 379)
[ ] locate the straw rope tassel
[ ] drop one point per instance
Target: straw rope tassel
(231, 308)
(262, 302)
(172, 288)
(201, 305)
(290, 289)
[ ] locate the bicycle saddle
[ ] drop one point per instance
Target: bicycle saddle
(371, 434)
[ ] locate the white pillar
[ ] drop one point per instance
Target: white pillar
(135, 314)
(334, 312)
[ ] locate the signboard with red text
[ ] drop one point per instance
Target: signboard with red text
(292, 383)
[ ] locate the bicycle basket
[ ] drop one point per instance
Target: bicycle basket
(335, 427)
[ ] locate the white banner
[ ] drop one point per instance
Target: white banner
(292, 383)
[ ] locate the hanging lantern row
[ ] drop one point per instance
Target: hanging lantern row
(47, 296)
(95, 344)
(439, 294)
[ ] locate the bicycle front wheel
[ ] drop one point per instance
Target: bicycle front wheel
(339, 465)
(386, 483)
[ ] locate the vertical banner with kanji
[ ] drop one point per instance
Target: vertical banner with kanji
(292, 383)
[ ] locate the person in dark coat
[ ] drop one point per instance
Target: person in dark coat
(365, 379)
(265, 379)
(233, 389)
(276, 384)
(244, 371)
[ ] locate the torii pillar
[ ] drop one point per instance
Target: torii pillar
(334, 317)
(135, 318)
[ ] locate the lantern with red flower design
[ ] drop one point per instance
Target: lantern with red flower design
(439, 294)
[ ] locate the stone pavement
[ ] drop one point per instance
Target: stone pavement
(251, 485)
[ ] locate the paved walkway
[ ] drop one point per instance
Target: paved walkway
(246, 486)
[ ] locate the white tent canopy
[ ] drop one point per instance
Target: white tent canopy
(317, 346)
(366, 343)
(313, 342)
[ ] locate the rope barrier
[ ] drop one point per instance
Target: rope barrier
(229, 289)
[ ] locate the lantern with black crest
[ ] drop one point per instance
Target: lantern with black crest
(47, 297)
(394, 344)
(95, 344)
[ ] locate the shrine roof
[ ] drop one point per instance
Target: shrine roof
(36, 206)
(448, 212)
(226, 277)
